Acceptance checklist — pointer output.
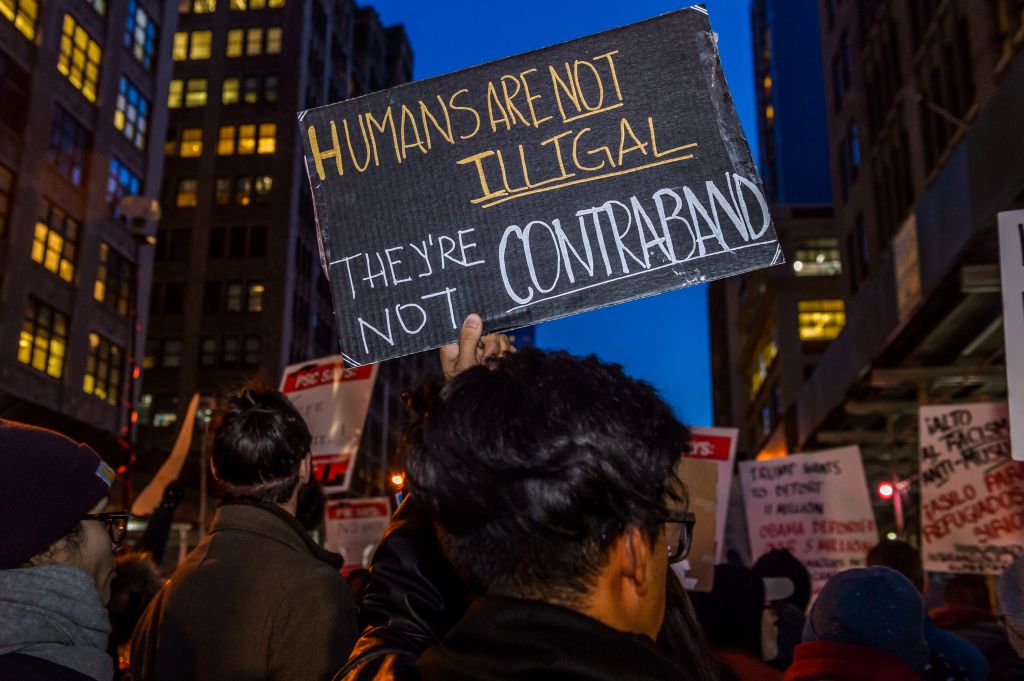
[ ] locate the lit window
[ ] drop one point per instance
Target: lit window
(180, 50)
(769, 112)
(239, 5)
(69, 144)
(191, 142)
(764, 356)
(273, 40)
(820, 319)
(273, 4)
(253, 41)
(817, 258)
(235, 37)
(246, 139)
(243, 191)
(174, 93)
(767, 82)
(23, 14)
(195, 92)
(99, 5)
(6, 191)
(121, 182)
(251, 351)
(165, 411)
(43, 340)
(170, 353)
(229, 91)
(262, 186)
(131, 114)
(103, 369)
(226, 140)
(204, 6)
(233, 302)
(188, 196)
(80, 58)
(222, 191)
(55, 241)
(257, 4)
(251, 89)
(140, 34)
(114, 280)
(268, 138)
(255, 298)
(200, 45)
(208, 352)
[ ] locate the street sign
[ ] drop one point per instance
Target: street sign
(592, 172)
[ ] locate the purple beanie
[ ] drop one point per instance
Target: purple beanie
(48, 483)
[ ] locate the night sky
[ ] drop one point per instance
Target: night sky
(663, 339)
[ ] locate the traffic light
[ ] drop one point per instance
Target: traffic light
(886, 490)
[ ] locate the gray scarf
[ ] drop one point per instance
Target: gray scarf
(54, 612)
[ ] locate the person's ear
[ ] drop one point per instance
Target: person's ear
(637, 559)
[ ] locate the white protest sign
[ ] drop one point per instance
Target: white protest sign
(972, 492)
(1011, 264)
(815, 505)
(719, 446)
(354, 527)
(333, 400)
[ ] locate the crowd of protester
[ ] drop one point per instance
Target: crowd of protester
(544, 511)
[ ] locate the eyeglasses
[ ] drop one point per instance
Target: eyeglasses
(679, 530)
(116, 522)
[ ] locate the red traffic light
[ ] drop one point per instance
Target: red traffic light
(886, 490)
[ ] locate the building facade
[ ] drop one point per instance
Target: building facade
(923, 99)
(82, 116)
(238, 287)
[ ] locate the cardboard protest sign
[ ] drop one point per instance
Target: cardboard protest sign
(697, 571)
(584, 174)
(717, 445)
(333, 399)
(354, 527)
(972, 492)
(815, 505)
(1011, 266)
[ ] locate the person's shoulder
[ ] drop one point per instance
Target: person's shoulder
(20, 667)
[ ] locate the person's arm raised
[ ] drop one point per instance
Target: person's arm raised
(473, 347)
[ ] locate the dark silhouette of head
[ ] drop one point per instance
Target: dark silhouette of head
(731, 612)
(899, 556)
(259, 440)
(969, 590)
(782, 563)
(534, 466)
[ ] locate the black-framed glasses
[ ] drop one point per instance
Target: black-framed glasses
(116, 522)
(679, 531)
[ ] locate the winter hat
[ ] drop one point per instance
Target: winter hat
(1011, 602)
(48, 483)
(874, 607)
(782, 563)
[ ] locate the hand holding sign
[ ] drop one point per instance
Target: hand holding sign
(472, 348)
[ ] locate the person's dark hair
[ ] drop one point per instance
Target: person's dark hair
(136, 581)
(534, 465)
(969, 590)
(259, 439)
(681, 636)
(310, 505)
(731, 612)
(71, 542)
(782, 563)
(899, 556)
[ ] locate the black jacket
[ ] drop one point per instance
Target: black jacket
(505, 639)
(21, 667)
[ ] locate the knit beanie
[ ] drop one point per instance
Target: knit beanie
(874, 607)
(48, 483)
(1011, 602)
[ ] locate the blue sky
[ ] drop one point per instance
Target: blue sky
(663, 339)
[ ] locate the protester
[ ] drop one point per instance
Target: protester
(257, 599)
(790, 611)
(136, 582)
(946, 648)
(56, 557)
(1011, 602)
(551, 481)
(967, 612)
(732, 614)
(867, 624)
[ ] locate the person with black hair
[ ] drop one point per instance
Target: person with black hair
(258, 598)
(789, 612)
(551, 483)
